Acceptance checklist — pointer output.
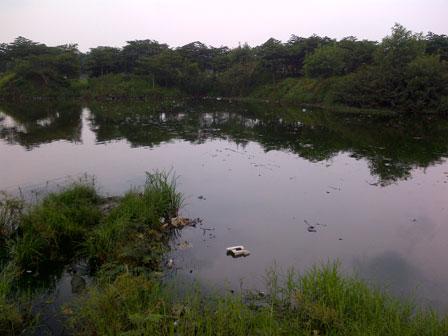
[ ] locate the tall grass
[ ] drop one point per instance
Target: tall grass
(321, 301)
(53, 229)
(11, 210)
(130, 234)
(15, 306)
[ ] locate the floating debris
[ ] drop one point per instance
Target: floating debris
(237, 251)
(201, 198)
(310, 227)
(170, 263)
(184, 245)
(179, 221)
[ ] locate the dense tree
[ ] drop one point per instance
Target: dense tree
(356, 53)
(272, 55)
(397, 50)
(166, 68)
(426, 80)
(140, 48)
(103, 60)
(437, 45)
(197, 52)
(23, 47)
(298, 48)
(326, 61)
(3, 55)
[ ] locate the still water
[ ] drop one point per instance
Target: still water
(374, 187)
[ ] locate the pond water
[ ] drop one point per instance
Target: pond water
(374, 187)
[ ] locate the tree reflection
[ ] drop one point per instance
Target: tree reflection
(35, 123)
(392, 145)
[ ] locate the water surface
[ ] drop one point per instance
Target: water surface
(374, 187)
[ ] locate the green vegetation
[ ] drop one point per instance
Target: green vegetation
(125, 239)
(126, 86)
(72, 224)
(319, 302)
(405, 72)
(130, 235)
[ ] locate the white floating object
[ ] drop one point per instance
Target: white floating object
(303, 110)
(238, 251)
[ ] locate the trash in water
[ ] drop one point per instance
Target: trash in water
(179, 221)
(170, 263)
(183, 245)
(237, 251)
(310, 227)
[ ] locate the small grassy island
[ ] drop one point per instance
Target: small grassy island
(124, 239)
(405, 72)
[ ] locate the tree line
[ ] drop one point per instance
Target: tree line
(405, 70)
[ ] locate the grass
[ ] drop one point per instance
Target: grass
(15, 306)
(126, 86)
(54, 229)
(312, 92)
(71, 223)
(130, 235)
(319, 302)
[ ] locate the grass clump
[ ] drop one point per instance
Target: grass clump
(54, 229)
(131, 233)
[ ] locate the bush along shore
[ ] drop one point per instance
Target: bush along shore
(124, 240)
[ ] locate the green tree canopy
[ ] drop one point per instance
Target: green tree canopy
(140, 48)
(103, 60)
(326, 61)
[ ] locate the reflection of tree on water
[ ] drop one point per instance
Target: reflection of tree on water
(35, 123)
(392, 145)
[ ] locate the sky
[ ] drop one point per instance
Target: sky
(92, 23)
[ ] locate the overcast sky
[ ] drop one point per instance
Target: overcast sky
(92, 23)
